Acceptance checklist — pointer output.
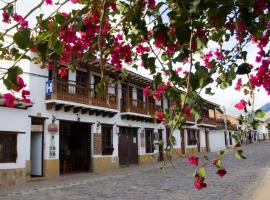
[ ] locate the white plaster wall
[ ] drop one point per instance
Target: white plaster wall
(17, 120)
(202, 138)
(216, 140)
(176, 134)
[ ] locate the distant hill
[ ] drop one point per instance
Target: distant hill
(265, 107)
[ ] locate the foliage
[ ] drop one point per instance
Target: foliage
(170, 38)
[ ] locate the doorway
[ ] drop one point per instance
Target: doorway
(75, 147)
(36, 147)
(128, 146)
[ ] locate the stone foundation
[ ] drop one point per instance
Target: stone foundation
(27, 170)
(51, 168)
(148, 158)
(104, 163)
(12, 176)
(176, 153)
(190, 151)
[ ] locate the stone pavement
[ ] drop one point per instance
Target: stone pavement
(243, 181)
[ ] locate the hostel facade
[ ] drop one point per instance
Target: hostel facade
(71, 128)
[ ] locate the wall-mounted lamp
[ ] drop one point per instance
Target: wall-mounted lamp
(53, 119)
(78, 117)
(98, 124)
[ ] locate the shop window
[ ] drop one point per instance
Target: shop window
(107, 140)
(8, 147)
(191, 137)
(149, 141)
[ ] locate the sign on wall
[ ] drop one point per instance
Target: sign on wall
(49, 87)
(97, 144)
(52, 128)
(36, 128)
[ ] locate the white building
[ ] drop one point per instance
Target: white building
(69, 127)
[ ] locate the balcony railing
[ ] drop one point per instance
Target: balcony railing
(207, 120)
(82, 94)
(190, 118)
(138, 106)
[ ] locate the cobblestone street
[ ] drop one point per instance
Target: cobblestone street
(148, 182)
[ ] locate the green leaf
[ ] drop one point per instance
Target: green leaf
(22, 39)
(218, 163)
(206, 158)
(221, 152)
(60, 18)
(201, 171)
(244, 68)
(238, 154)
(259, 113)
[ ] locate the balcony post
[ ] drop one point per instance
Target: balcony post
(116, 94)
(127, 98)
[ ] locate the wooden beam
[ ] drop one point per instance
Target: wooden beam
(76, 109)
(98, 113)
(104, 114)
(49, 106)
(58, 107)
(91, 112)
(111, 114)
(84, 110)
(67, 108)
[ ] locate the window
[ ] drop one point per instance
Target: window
(191, 137)
(149, 141)
(107, 141)
(8, 147)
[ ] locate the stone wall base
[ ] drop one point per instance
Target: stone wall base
(104, 163)
(12, 176)
(148, 158)
(190, 151)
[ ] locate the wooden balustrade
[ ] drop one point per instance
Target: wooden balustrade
(138, 106)
(207, 120)
(82, 94)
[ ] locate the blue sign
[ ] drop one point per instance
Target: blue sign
(49, 88)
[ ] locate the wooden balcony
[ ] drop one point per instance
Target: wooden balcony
(204, 120)
(82, 94)
(140, 107)
(190, 119)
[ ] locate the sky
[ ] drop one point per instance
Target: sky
(227, 98)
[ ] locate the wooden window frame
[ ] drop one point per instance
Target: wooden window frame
(106, 149)
(8, 137)
(191, 137)
(149, 147)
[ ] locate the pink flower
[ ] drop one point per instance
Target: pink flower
(193, 160)
(25, 96)
(199, 183)
(238, 84)
(258, 59)
(74, 1)
(9, 100)
(221, 172)
(48, 2)
(160, 116)
(6, 17)
(241, 105)
(188, 111)
(146, 90)
(63, 72)
(17, 17)
(20, 83)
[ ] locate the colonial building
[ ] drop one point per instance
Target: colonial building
(69, 127)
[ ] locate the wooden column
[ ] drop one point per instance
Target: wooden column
(127, 98)
(116, 94)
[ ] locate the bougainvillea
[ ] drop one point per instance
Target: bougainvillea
(157, 35)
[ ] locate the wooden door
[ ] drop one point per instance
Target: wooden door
(198, 141)
(183, 147)
(207, 140)
(128, 146)
(161, 156)
(82, 79)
